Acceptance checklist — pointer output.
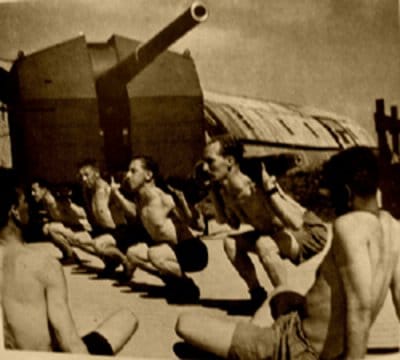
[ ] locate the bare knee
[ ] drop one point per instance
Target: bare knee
(127, 315)
(82, 238)
(53, 228)
(266, 248)
(230, 247)
(158, 257)
(185, 323)
(131, 254)
(102, 242)
(135, 254)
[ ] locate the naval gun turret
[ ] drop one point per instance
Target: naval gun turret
(111, 85)
(107, 101)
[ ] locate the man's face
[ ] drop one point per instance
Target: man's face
(88, 176)
(216, 165)
(37, 192)
(136, 176)
(22, 210)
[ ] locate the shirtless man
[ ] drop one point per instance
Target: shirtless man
(171, 249)
(33, 296)
(351, 284)
(62, 219)
(108, 214)
(282, 227)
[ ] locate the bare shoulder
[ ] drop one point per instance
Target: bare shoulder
(355, 223)
(167, 199)
(38, 262)
(161, 197)
(353, 231)
(102, 186)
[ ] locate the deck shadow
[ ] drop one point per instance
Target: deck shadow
(149, 290)
(239, 307)
(382, 351)
(84, 268)
(184, 350)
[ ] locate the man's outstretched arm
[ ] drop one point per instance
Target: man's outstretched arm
(350, 248)
(59, 314)
(288, 210)
(101, 199)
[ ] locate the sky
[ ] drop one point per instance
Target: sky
(336, 55)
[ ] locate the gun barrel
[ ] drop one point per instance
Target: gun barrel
(145, 53)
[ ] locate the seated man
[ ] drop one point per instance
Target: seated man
(171, 249)
(62, 218)
(109, 214)
(351, 284)
(33, 296)
(282, 227)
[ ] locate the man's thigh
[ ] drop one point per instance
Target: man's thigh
(56, 228)
(104, 241)
(139, 251)
(161, 252)
(252, 342)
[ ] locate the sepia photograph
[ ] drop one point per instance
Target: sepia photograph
(199, 179)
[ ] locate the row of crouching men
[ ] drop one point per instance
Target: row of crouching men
(143, 222)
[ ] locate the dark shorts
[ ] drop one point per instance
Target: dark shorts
(97, 231)
(192, 254)
(284, 340)
(128, 235)
(312, 237)
(97, 344)
(125, 235)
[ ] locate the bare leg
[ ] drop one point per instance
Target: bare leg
(236, 249)
(207, 333)
(263, 316)
(164, 260)
(58, 234)
(118, 328)
(138, 256)
(84, 241)
(106, 247)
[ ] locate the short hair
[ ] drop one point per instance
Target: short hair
(230, 146)
(149, 164)
(9, 194)
(89, 163)
(41, 182)
(356, 167)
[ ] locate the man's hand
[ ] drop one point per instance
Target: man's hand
(114, 186)
(269, 181)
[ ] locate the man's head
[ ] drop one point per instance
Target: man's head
(350, 174)
(142, 170)
(13, 205)
(38, 190)
(88, 174)
(220, 155)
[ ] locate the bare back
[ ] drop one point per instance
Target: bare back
(102, 209)
(23, 299)
(157, 215)
(367, 247)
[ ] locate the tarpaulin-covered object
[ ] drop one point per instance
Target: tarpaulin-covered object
(267, 127)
